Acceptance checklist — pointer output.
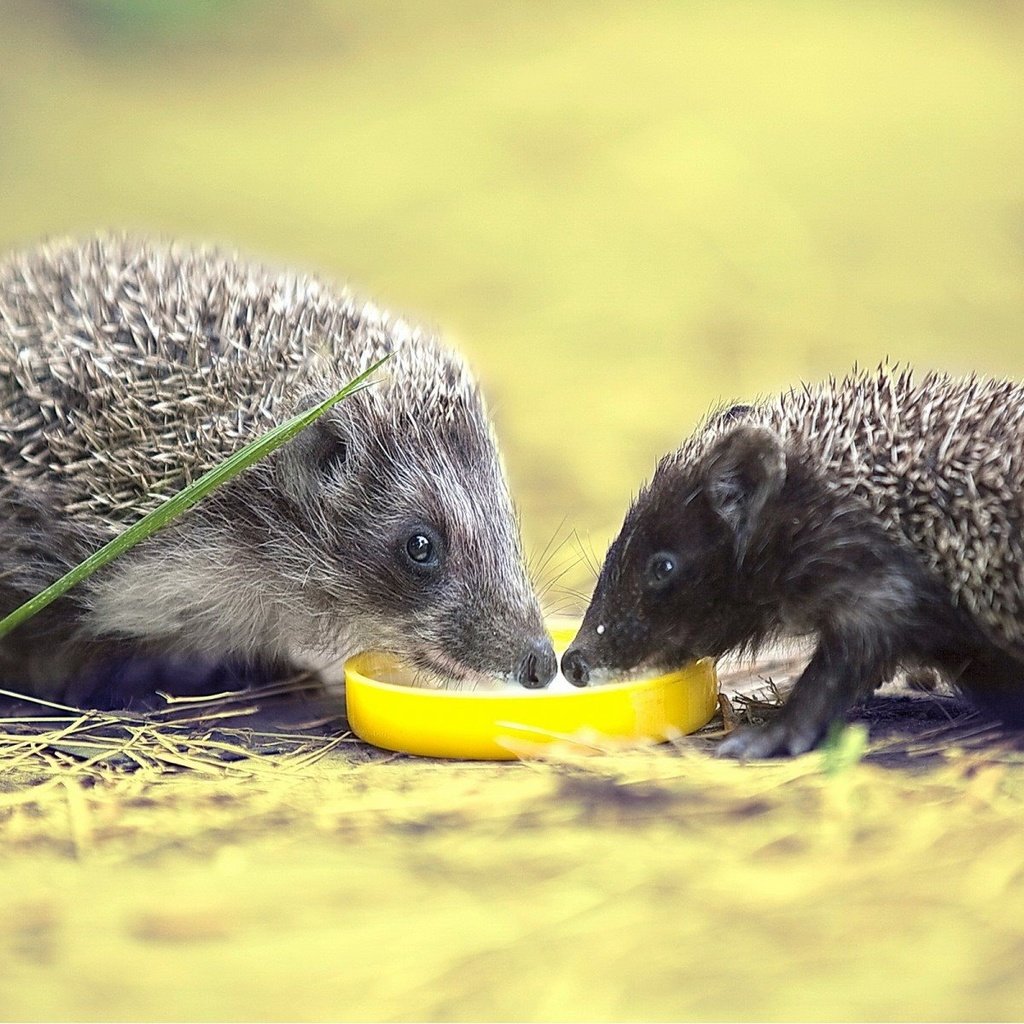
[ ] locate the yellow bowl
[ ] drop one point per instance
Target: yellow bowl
(494, 725)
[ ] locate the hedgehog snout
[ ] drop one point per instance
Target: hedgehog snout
(537, 666)
(575, 667)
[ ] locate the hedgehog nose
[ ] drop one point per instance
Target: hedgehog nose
(575, 667)
(538, 665)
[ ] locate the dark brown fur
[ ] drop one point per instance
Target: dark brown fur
(879, 515)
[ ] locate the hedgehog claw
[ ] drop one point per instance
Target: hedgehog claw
(780, 739)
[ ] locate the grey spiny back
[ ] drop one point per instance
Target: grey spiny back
(154, 363)
(939, 462)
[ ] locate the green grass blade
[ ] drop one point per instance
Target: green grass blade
(183, 500)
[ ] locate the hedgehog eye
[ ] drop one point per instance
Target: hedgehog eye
(422, 550)
(662, 568)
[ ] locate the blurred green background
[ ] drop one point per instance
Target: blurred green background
(622, 213)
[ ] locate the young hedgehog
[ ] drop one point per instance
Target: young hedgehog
(882, 516)
(129, 369)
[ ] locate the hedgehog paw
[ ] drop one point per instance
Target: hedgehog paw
(781, 739)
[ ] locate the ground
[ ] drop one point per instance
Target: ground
(623, 214)
(263, 864)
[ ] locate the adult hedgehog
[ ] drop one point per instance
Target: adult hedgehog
(129, 369)
(880, 515)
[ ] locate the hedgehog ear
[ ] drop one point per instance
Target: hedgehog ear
(312, 459)
(747, 468)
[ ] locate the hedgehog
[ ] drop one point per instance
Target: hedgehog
(877, 515)
(130, 367)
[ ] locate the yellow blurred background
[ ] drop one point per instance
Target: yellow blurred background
(622, 213)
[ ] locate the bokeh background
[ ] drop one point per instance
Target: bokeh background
(622, 213)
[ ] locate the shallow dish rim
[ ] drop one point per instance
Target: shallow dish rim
(511, 692)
